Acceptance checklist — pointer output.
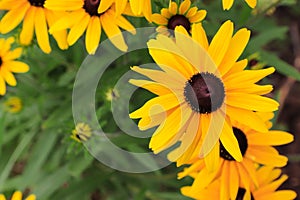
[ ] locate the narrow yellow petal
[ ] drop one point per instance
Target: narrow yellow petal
(251, 102)
(136, 6)
(41, 30)
(2, 86)
(156, 88)
(31, 197)
(259, 155)
(104, 5)
(227, 4)
(192, 11)
(173, 8)
(13, 18)
(199, 35)
(10, 4)
(93, 34)
(26, 34)
(184, 6)
(159, 19)
(280, 195)
(234, 180)
(11, 55)
(113, 31)
(272, 138)
(220, 43)
(225, 181)
(125, 24)
(8, 77)
(165, 13)
(17, 66)
(199, 16)
(78, 29)
(251, 3)
(213, 158)
(17, 195)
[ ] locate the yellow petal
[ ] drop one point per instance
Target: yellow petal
(8, 77)
(156, 88)
(17, 195)
(69, 5)
(199, 16)
(41, 30)
(251, 3)
(235, 49)
(113, 31)
(2, 86)
(225, 181)
(17, 67)
(93, 34)
(213, 157)
(230, 142)
(184, 6)
(10, 4)
(125, 24)
(267, 158)
(11, 55)
(199, 35)
(165, 13)
(227, 4)
(159, 19)
(173, 8)
(13, 18)
(280, 195)
(120, 6)
(31, 197)
(26, 34)
(272, 138)
(192, 11)
(78, 29)
(219, 45)
(136, 6)
(251, 102)
(104, 5)
(234, 180)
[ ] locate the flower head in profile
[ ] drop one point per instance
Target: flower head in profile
(84, 16)
(174, 16)
(227, 4)
(36, 19)
(8, 64)
(13, 104)
(269, 180)
(82, 132)
(200, 89)
(256, 148)
(17, 195)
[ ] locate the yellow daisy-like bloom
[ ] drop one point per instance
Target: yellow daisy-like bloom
(35, 18)
(268, 180)
(171, 17)
(84, 16)
(13, 104)
(200, 89)
(82, 132)
(256, 148)
(8, 64)
(18, 196)
(227, 4)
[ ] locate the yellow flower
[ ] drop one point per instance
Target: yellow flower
(141, 8)
(82, 132)
(84, 16)
(13, 104)
(35, 18)
(201, 89)
(268, 179)
(173, 16)
(227, 4)
(18, 196)
(256, 148)
(8, 64)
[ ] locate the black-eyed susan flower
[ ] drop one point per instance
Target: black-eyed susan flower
(201, 89)
(82, 132)
(268, 179)
(13, 104)
(18, 196)
(141, 8)
(84, 17)
(227, 4)
(8, 64)
(256, 148)
(35, 18)
(184, 15)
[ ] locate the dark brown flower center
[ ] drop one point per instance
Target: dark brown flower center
(178, 20)
(204, 92)
(1, 62)
(241, 194)
(243, 144)
(37, 3)
(91, 7)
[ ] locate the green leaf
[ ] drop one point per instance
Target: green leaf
(281, 66)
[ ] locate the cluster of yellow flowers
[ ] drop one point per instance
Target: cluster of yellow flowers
(207, 102)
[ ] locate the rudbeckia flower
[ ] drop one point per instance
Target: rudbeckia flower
(84, 17)
(227, 4)
(18, 196)
(201, 88)
(9, 65)
(268, 179)
(82, 132)
(256, 148)
(35, 18)
(13, 104)
(173, 16)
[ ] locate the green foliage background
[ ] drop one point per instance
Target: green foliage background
(37, 154)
